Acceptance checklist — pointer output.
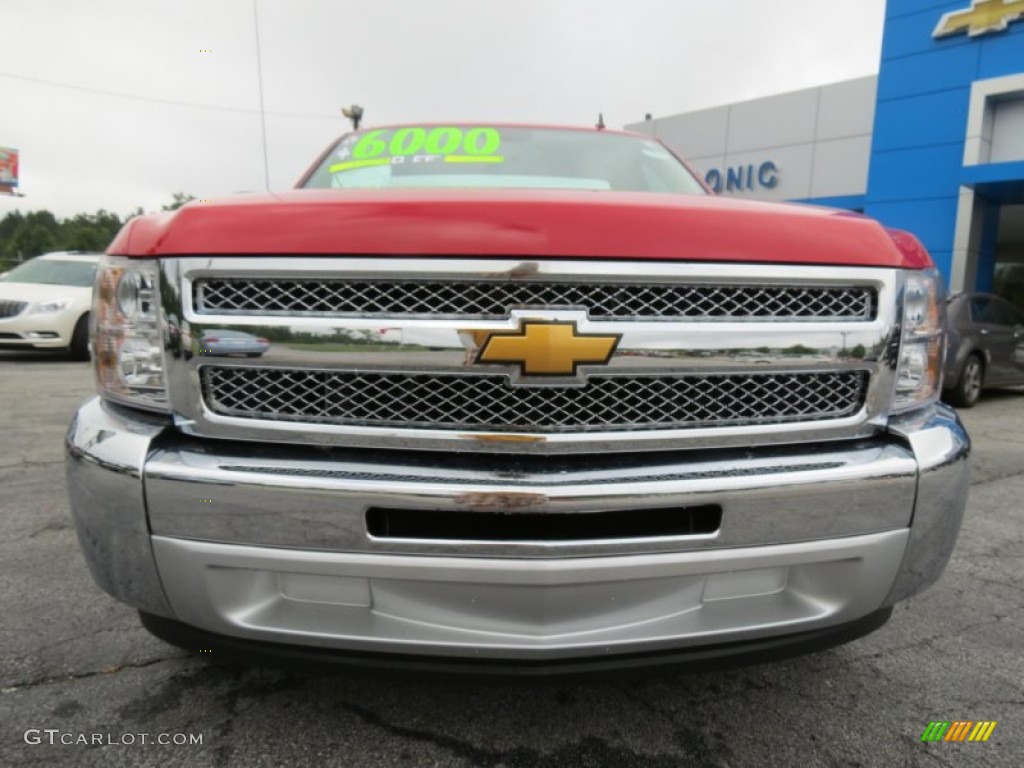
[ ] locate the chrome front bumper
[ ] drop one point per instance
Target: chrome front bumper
(270, 542)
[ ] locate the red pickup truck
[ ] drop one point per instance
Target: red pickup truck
(524, 399)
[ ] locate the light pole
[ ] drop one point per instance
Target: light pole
(259, 79)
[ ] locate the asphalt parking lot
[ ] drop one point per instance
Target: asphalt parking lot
(77, 662)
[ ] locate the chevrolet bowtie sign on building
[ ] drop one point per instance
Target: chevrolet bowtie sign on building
(934, 143)
(983, 16)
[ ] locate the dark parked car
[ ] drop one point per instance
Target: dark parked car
(985, 346)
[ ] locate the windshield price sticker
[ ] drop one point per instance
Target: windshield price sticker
(448, 144)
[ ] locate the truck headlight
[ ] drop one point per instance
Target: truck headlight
(919, 370)
(127, 347)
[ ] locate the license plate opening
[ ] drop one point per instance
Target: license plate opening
(433, 525)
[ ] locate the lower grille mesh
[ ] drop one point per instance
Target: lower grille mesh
(446, 402)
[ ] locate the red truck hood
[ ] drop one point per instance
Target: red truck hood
(518, 223)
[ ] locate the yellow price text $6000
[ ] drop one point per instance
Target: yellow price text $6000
(448, 144)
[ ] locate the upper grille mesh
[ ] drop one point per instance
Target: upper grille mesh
(12, 308)
(493, 299)
(443, 401)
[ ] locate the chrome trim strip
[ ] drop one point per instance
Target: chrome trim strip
(296, 499)
(603, 270)
(524, 609)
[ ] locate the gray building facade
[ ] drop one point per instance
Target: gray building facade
(812, 145)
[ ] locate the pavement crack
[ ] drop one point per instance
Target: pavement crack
(694, 739)
(78, 638)
(30, 463)
(636, 699)
(225, 732)
(588, 750)
(995, 479)
(921, 643)
(53, 526)
(925, 641)
(112, 670)
(474, 755)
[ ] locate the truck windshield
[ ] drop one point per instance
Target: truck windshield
(501, 157)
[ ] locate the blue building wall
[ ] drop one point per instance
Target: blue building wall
(921, 115)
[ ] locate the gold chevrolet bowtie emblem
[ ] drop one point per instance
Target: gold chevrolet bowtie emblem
(983, 16)
(542, 348)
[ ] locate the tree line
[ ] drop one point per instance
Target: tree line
(26, 235)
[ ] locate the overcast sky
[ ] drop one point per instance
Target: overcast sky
(120, 103)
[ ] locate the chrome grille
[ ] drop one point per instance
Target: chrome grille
(445, 402)
(493, 299)
(12, 308)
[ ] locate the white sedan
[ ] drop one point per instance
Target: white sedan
(45, 302)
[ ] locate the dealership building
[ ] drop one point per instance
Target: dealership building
(933, 144)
